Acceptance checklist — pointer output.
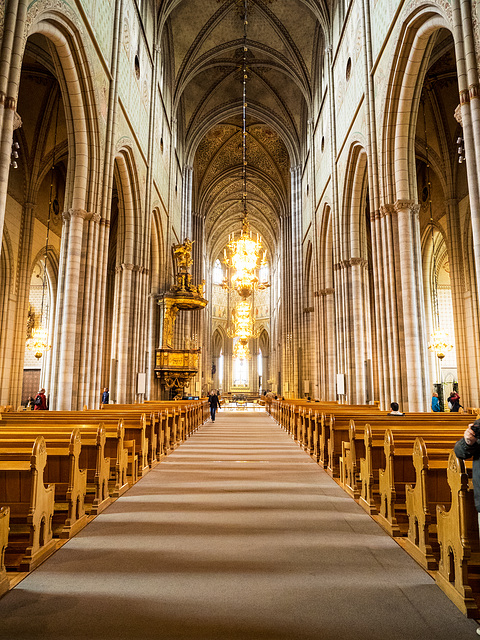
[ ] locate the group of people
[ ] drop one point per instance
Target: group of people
(453, 402)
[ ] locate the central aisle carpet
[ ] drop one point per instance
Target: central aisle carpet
(238, 535)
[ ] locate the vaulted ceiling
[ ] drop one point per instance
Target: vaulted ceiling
(285, 42)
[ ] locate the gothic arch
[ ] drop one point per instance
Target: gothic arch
(409, 66)
(80, 104)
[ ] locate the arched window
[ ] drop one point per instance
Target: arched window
(220, 370)
(264, 273)
(217, 272)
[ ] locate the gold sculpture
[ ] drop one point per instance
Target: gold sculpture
(176, 367)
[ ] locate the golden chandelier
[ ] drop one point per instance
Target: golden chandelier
(244, 255)
(39, 341)
(440, 343)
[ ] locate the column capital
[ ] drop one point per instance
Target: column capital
(354, 262)
(386, 210)
(464, 96)
(76, 213)
(401, 205)
(324, 292)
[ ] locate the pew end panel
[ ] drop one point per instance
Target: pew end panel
(31, 504)
(4, 530)
(458, 538)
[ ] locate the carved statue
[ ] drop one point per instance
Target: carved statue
(182, 254)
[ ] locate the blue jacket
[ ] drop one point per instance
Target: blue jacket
(436, 404)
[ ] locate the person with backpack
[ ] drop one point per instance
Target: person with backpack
(40, 403)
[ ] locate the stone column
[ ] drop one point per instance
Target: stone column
(457, 281)
(296, 277)
(359, 315)
(187, 221)
(68, 356)
(11, 57)
(414, 329)
(15, 346)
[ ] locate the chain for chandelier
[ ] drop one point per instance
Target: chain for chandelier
(39, 342)
(440, 343)
(244, 255)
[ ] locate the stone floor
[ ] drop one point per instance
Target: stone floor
(238, 535)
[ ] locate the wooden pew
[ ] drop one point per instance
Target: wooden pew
(31, 505)
(62, 471)
(366, 456)
(114, 450)
(134, 426)
(92, 460)
(399, 473)
(4, 530)
(431, 488)
(458, 538)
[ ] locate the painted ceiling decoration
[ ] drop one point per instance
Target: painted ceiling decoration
(285, 51)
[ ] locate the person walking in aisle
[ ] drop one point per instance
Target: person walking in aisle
(214, 404)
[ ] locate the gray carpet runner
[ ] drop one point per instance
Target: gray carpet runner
(238, 535)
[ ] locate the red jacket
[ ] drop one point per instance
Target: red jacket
(40, 402)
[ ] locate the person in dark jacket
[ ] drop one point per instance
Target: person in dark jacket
(454, 402)
(469, 447)
(214, 404)
(105, 396)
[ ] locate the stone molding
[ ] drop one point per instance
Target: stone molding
(127, 266)
(457, 114)
(352, 262)
(324, 292)
(17, 121)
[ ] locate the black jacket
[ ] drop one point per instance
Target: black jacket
(465, 451)
(213, 400)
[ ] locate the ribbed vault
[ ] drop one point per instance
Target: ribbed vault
(285, 48)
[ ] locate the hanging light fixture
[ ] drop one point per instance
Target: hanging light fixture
(440, 343)
(244, 254)
(241, 350)
(39, 342)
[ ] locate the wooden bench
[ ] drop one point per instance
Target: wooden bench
(134, 426)
(61, 471)
(363, 455)
(31, 505)
(114, 448)
(4, 530)
(431, 488)
(458, 538)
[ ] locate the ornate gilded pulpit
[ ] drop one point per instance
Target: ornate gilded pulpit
(176, 367)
